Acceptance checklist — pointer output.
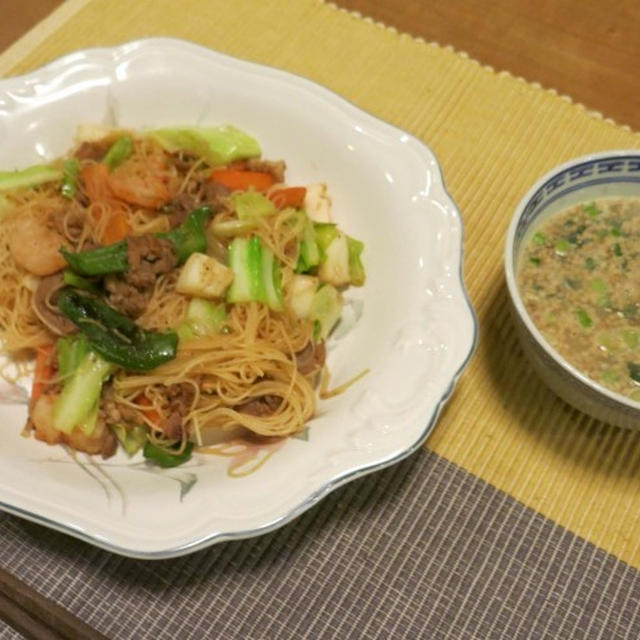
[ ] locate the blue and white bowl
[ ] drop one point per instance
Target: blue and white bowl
(599, 175)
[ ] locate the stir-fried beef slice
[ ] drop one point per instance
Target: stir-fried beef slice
(183, 160)
(125, 297)
(260, 407)
(172, 425)
(199, 191)
(180, 207)
(275, 168)
(43, 305)
(92, 150)
(179, 400)
(148, 258)
(114, 413)
(215, 195)
(311, 358)
(180, 397)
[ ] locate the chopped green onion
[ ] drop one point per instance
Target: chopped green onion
(590, 264)
(535, 260)
(583, 318)
(538, 238)
(591, 209)
(609, 376)
(562, 246)
(617, 250)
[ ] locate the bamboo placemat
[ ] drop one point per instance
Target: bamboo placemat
(420, 550)
(494, 135)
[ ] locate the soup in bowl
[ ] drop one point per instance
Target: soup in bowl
(572, 260)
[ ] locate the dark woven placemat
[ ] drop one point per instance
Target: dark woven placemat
(7, 633)
(421, 550)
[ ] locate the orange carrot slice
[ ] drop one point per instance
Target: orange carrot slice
(153, 416)
(288, 197)
(42, 373)
(116, 229)
(242, 180)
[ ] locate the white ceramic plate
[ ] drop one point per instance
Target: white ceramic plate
(415, 328)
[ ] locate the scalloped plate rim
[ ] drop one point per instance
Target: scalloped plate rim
(117, 53)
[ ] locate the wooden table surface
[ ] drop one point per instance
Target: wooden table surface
(587, 49)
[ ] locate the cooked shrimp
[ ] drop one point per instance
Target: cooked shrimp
(142, 183)
(101, 440)
(42, 419)
(35, 246)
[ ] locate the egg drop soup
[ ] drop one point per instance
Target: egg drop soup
(578, 276)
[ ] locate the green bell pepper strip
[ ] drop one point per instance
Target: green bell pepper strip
(190, 237)
(100, 261)
(69, 183)
(163, 456)
(79, 282)
(186, 239)
(115, 337)
(118, 152)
